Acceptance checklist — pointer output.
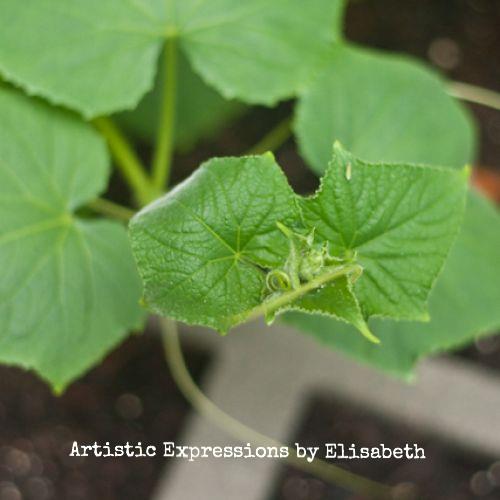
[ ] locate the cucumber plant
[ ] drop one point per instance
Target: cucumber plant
(368, 264)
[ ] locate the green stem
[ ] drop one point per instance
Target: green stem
(274, 139)
(110, 209)
(320, 468)
(126, 160)
(288, 297)
(474, 94)
(165, 137)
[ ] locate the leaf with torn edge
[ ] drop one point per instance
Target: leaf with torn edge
(399, 220)
(463, 304)
(231, 243)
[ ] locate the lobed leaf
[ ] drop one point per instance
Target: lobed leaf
(69, 290)
(463, 304)
(357, 91)
(208, 250)
(260, 51)
(400, 220)
(99, 56)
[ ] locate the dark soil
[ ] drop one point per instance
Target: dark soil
(485, 351)
(129, 397)
(447, 473)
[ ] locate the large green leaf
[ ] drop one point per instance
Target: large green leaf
(463, 304)
(387, 108)
(257, 50)
(382, 108)
(201, 249)
(201, 112)
(399, 219)
(219, 248)
(99, 56)
(69, 291)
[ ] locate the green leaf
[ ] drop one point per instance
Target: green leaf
(69, 291)
(382, 108)
(400, 221)
(219, 249)
(202, 249)
(337, 300)
(463, 304)
(260, 51)
(99, 56)
(200, 111)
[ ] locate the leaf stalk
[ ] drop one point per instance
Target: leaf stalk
(111, 209)
(162, 161)
(475, 94)
(126, 160)
(274, 139)
(208, 409)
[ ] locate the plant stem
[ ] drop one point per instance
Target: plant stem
(274, 139)
(126, 160)
(320, 468)
(474, 94)
(164, 141)
(111, 209)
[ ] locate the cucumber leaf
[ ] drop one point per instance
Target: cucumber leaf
(365, 89)
(202, 248)
(98, 56)
(400, 221)
(233, 241)
(382, 108)
(259, 51)
(463, 304)
(69, 290)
